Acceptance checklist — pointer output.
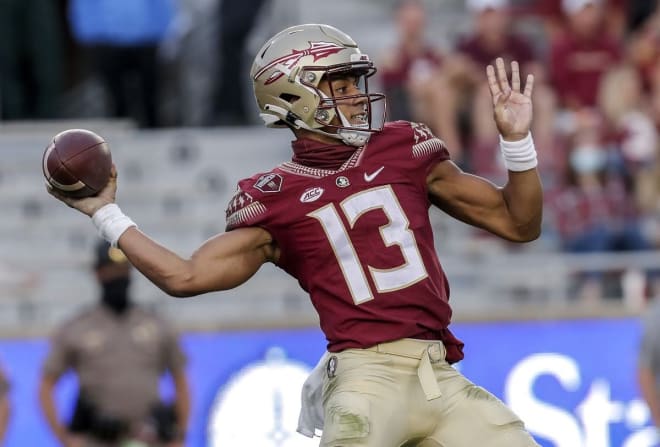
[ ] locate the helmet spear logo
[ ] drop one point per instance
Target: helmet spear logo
(318, 50)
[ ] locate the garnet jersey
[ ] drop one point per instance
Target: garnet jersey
(358, 239)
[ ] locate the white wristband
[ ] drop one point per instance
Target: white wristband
(519, 155)
(111, 223)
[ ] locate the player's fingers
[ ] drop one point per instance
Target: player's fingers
(501, 75)
(492, 82)
(515, 76)
(55, 193)
(500, 104)
(529, 85)
(51, 190)
(113, 171)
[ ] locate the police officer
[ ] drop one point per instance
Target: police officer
(119, 353)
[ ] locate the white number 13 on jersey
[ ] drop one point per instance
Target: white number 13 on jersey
(396, 232)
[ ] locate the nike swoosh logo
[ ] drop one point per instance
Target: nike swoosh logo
(370, 177)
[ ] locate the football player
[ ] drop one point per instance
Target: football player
(348, 217)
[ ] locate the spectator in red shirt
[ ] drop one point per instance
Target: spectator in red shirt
(623, 103)
(580, 57)
(554, 19)
(410, 63)
(410, 74)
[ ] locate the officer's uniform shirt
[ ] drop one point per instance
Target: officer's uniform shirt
(118, 360)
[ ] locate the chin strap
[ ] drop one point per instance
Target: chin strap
(351, 136)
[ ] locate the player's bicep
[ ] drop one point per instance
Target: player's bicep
(471, 199)
(229, 259)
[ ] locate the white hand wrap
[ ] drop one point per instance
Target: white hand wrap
(111, 223)
(519, 155)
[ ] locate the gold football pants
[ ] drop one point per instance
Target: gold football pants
(404, 393)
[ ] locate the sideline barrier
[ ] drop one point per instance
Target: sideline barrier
(573, 382)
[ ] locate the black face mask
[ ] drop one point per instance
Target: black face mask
(115, 295)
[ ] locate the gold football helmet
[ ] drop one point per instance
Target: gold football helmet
(288, 69)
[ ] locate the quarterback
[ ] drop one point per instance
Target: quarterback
(348, 217)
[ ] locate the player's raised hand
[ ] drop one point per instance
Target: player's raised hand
(89, 205)
(512, 106)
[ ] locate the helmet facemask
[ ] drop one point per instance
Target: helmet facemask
(351, 133)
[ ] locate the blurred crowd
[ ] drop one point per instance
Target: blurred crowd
(596, 67)
(155, 62)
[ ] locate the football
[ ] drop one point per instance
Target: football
(77, 163)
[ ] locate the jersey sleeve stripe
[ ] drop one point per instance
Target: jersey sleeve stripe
(428, 147)
(245, 214)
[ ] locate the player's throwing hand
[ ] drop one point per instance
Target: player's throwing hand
(89, 205)
(512, 107)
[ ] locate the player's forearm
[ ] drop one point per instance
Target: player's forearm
(221, 263)
(166, 269)
(523, 195)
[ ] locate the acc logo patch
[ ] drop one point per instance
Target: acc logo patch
(269, 183)
(311, 195)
